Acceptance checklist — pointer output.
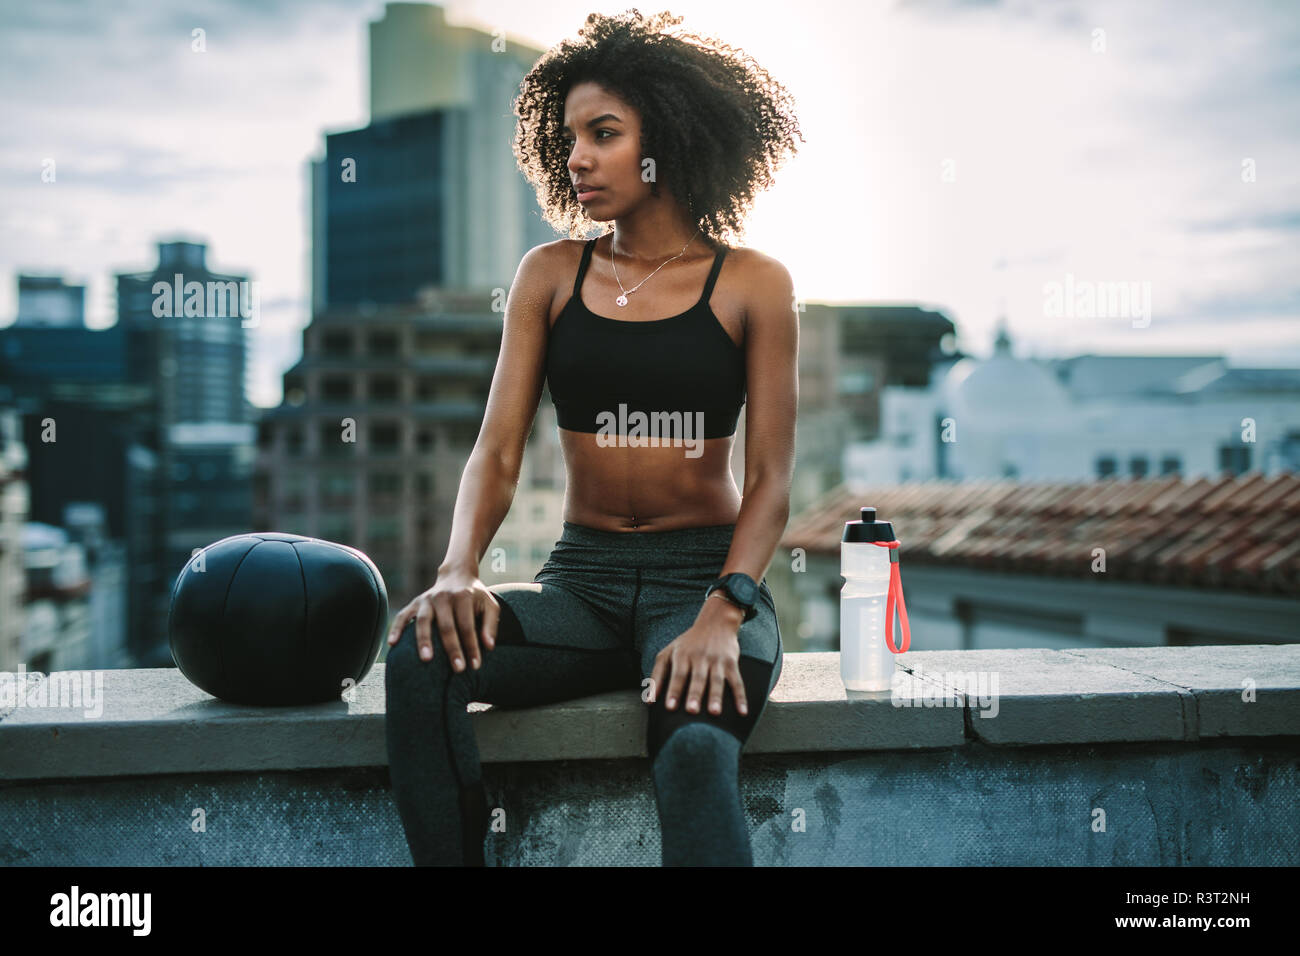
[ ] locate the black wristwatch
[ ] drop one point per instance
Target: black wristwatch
(739, 589)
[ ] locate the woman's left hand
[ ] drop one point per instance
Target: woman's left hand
(709, 654)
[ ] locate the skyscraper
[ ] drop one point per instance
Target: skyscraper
(428, 194)
(186, 331)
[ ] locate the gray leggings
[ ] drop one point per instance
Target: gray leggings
(592, 620)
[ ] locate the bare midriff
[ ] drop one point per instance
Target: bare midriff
(648, 489)
(633, 488)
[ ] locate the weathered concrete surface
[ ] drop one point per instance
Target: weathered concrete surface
(156, 722)
(1175, 804)
(1154, 756)
(1222, 680)
(1126, 694)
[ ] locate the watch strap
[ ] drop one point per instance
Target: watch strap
(722, 584)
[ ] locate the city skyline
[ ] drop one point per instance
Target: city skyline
(1123, 162)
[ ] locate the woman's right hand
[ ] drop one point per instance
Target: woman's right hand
(455, 602)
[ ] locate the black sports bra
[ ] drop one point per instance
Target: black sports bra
(644, 378)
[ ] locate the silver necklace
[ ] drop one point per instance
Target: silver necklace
(622, 299)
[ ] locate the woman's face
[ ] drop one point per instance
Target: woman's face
(604, 137)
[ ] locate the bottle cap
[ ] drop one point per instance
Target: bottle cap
(868, 529)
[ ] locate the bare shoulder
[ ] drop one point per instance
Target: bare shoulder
(765, 280)
(543, 269)
(756, 264)
(548, 257)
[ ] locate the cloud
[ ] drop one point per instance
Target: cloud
(149, 137)
(1280, 220)
(1122, 165)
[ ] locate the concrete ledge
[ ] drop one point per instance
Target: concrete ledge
(155, 722)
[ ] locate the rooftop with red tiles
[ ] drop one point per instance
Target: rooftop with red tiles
(1234, 533)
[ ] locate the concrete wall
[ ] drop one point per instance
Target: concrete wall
(1228, 803)
(1129, 756)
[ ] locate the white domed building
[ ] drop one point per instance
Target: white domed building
(1005, 417)
(1001, 417)
(1086, 416)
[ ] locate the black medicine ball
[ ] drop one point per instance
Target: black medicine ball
(277, 618)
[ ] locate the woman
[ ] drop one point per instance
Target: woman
(655, 582)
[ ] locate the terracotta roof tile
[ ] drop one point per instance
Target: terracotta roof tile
(1238, 533)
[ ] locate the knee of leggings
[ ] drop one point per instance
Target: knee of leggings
(404, 659)
(696, 747)
(755, 674)
(403, 653)
(404, 656)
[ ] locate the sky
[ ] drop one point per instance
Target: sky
(962, 155)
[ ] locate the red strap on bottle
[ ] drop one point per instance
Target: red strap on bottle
(895, 596)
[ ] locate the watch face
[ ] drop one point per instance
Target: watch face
(744, 589)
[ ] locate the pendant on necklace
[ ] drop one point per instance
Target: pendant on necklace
(621, 300)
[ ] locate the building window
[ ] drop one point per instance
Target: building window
(293, 439)
(332, 444)
(1137, 466)
(383, 388)
(337, 486)
(292, 488)
(1171, 465)
(1106, 466)
(426, 388)
(336, 388)
(336, 528)
(1290, 451)
(384, 531)
(432, 343)
(382, 343)
(463, 433)
(424, 484)
(1234, 459)
(336, 344)
(385, 483)
(858, 382)
(386, 439)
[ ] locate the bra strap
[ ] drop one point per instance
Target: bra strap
(713, 275)
(582, 268)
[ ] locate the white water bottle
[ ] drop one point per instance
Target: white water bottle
(869, 570)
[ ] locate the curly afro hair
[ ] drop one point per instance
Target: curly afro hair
(716, 123)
